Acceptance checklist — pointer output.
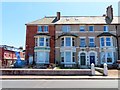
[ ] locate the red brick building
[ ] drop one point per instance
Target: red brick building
(40, 41)
(7, 55)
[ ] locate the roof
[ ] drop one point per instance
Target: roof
(73, 20)
(106, 34)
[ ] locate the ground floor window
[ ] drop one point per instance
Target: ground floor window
(107, 57)
(67, 57)
(42, 57)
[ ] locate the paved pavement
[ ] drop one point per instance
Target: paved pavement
(60, 84)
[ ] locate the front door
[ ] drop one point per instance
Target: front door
(92, 59)
(82, 59)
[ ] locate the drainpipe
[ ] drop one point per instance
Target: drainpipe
(117, 42)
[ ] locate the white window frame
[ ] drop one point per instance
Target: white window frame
(65, 41)
(44, 60)
(38, 29)
(44, 41)
(66, 28)
(80, 28)
(92, 42)
(93, 28)
(44, 30)
(107, 28)
(111, 41)
(80, 41)
(71, 62)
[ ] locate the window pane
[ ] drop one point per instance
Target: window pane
(47, 57)
(102, 41)
(103, 57)
(82, 28)
(41, 41)
(39, 28)
(66, 28)
(91, 42)
(47, 41)
(40, 57)
(105, 28)
(73, 42)
(45, 28)
(68, 56)
(109, 56)
(62, 56)
(62, 41)
(73, 57)
(68, 41)
(36, 41)
(91, 28)
(108, 42)
(82, 42)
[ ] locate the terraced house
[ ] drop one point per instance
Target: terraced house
(72, 40)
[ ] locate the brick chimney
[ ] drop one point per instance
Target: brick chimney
(58, 15)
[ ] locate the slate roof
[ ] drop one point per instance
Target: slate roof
(73, 20)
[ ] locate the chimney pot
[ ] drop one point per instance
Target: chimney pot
(58, 15)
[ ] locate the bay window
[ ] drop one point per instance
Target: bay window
(41, 41)
(107, 57)
(105, 41)
(108, 42)
(67, 57)
(67, 41)
(42, 57)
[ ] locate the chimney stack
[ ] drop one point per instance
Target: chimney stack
(58, 15)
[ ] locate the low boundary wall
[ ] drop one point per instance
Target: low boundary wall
(46, 72)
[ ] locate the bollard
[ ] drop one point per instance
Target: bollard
(92, 69)
(105, 69)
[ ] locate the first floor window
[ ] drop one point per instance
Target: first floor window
(68, 41)
(62, 41)
(91, 42)
(108, 41)
(91, 28)
(82, 42)
(73, 42)
(41, 41)
(102, 41)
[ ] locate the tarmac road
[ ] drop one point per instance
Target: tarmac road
(59, 83)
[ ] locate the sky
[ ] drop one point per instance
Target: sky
(16, 14)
